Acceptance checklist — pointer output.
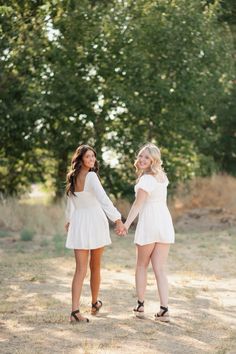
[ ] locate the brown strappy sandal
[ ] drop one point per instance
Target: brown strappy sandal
(77, 319)
(139, 313)
(163, 314)
(96, 307)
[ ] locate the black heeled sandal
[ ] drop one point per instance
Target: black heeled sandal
(77, 319)
(96, 307)
(139, 313)
(163, 315)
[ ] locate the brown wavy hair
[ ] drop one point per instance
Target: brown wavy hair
(76, 164)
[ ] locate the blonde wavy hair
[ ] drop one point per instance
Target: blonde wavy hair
(156, 164)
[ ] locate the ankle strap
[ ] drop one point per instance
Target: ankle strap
(164, 308)
(140, 304)
(75, 312)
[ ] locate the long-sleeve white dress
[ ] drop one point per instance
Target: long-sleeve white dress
(89, 228)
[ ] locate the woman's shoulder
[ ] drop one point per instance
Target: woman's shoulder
(162, 178)
(147, 177)
(145, 180)
(92, 176)
(151, 178)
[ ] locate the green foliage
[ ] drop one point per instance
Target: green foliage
(174, 73)
(22, 37)
(44, 243)
(27, 235)
(224, 151)
(114, 75)
(4, 233)
(229, 11)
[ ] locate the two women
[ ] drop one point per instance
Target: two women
(88, 230)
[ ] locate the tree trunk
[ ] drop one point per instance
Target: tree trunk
(60, 183)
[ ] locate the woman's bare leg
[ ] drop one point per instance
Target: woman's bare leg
(81, 258)
(143, 258)
(159, 258)
(95, 269)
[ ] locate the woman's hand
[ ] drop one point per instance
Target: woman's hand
(126, 227)
(67, 226)
(120, 228)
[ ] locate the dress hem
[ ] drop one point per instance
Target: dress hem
(88, 249)
(156, 241)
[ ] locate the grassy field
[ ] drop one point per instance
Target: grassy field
(35, 298)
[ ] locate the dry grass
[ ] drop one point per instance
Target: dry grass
(36, 278)
(35, 300)
(218, 191)
(43, 219)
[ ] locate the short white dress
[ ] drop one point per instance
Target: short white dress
(154, 221)
(89, 228)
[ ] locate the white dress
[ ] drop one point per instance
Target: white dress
(89, 228)
(154, 222)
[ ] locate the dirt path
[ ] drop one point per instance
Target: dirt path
(35, 299)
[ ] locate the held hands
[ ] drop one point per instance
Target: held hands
(120, 228)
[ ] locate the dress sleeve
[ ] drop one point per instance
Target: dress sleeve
(69, 208)
(146, 183)
(107, 205)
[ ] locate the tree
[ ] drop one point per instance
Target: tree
(114, 75)
(22, 36)
(174, 71)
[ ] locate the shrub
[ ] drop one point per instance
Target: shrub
(26, 235)
(4, 233)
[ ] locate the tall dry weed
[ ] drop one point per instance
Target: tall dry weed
(43, 219)
(218, 191)
(123, 206)
(215, 192)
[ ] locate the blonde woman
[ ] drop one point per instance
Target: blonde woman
(154, 232)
